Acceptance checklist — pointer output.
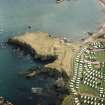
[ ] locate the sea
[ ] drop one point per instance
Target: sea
(71, 19)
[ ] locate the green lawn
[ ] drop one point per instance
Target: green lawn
(100, 56)
(84, 89)
(88, 90)
(68, 100)
(103, 84)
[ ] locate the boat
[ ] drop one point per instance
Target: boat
(36, 90)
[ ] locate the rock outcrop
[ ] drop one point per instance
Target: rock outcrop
(4, 102)
(57, 52)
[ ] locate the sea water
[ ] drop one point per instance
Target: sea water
(70, 18)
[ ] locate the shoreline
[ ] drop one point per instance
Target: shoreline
(53, 57)
(57, 52)
(28, 49)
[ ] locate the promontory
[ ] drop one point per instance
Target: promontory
(58, 51)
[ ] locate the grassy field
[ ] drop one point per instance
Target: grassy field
(103, 84)
(84, 89)
(100, 56)
(68, 100)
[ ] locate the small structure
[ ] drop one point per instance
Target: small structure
(59, 1)
(36, 90)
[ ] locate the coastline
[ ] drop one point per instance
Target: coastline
(43, 47)
(54, 58)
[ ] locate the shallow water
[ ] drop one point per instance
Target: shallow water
(70, 19)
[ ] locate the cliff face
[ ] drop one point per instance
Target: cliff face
(45, 47)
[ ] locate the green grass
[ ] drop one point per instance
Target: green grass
(84, 89)
(88, 90)
(103, 69)
(100, 56)
(68, 100)
(103, 84)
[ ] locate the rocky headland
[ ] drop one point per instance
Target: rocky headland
(55, 52)
(58, 53)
